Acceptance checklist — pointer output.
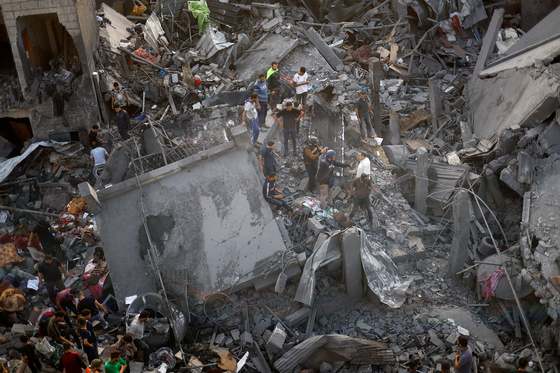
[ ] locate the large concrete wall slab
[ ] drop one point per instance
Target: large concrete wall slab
(222, 227)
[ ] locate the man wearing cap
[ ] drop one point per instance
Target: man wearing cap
(311, 154)
(325, 176)
(362, 185)
(95, 366)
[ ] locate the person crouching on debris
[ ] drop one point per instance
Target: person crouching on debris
(136, 331)
(412, 365)
(363, 110)
(362, 185)
(522, 363)
(311, 155)
(325, 176)
(463, 358)
(269, 193)
(123, 123)
(251, 115)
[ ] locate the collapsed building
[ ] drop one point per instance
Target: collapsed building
(466, 114)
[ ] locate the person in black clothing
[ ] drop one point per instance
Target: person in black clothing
(325, 176)
(49, 243)
(269, 193)
(445, 366)
(291, 116)
(523, 363)
(363, 111)
(49, 270)
(413, 365)
(123, 123)
(94, 141)
(362, 185)
(311, 155)
(273, 82)
(28, 354)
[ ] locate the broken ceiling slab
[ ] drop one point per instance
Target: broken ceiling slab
(256, 60)
(116, 31)
(218, 227)
(523, 97)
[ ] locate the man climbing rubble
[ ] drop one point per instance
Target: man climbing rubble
(268, 156)
(311, 154)
(325, 176)
(250, 114)
(98, 157)
(261, 89)
(269, 193)
(49, 271)
(89, 303)
(273, 80)
(123, 123)
(362, 185)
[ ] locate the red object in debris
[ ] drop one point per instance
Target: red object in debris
(142, 54)
(457, 23)
(197, 81)
(363, 54)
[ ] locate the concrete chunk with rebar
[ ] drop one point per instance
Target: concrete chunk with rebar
(459, 247)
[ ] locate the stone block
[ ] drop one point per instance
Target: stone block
(362, 325)
(18, 329)
(434, 339)
(303, 185)
(266, 335)
(229, 342)
(315, 226)
(301, 258)
(246, 339)
(220, 338)
(260, 328)
(235, 334)
(271, 24)
(451, 340)
(298, 317)
(276, 340)
(28, 5)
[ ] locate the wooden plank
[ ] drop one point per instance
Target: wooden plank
(324, 49)
(394, 50)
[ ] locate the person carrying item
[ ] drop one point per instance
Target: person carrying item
(325, 176)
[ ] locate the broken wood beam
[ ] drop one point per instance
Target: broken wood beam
(324, 49)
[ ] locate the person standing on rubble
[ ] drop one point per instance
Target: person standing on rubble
(269, 156)
(98, 156)
(362, 185)
(363, 111)
(463, 358)
(271, 196)
(49, 243)
(136, 331)
(28, 354)
(311, 154)
(119, 97)
(273, 79)
(59, 331)
(445, 366)
(89, 303)
(70, 361)
(123, 123)
(325, 176)
(49, 271)
(251, 115)
(364, 167)
(90, 343)
(290, 117)
(261, 89)
(301, 80)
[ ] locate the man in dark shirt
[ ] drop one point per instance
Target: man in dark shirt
(94, 141)
(273, 80)
(412, 365)
(363, 110)
(269, 156)
(325, 176)
(362, 185)
(123, 123)
(28, 354)
(290, 116)
(49, 270)
(94, 306)
(269, 193)
(70, 360)
(311, 155)
(44, 231)
(463, 358)
(59, 331)
(522, 363)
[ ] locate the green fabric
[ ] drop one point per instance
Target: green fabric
(270, 72)
(114, 367)
(200, 11)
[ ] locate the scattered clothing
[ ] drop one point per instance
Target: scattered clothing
(490, 283)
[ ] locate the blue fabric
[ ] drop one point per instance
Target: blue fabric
(255, 125)
(330, 173)
(365, 118)
(262, 112)
(292, 132)
(268, 156)
(262, 90)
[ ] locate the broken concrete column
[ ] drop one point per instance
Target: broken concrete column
(421, 173)
(375, 87)
(90, 197)
(351, 248)
(435, 102)
(394, 129)
(462, 229)
(525, 167)
(241, 138)
(493, 187)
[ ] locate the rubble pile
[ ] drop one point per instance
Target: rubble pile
(10, 96)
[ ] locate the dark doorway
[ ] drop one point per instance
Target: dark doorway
(14, 131)
(7, 61)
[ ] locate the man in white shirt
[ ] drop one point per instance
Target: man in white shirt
(301, 82)
(364, 166)
(98, 156)
(136, 331)
(250, 114)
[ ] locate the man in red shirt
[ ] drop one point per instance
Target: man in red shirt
(70, 361)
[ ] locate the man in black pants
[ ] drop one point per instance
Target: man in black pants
(136, 331)
(28, 354)
(362, 185)
(269, 193)
(311, 155)
(123, 123)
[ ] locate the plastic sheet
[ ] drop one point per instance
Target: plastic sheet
(382, 274)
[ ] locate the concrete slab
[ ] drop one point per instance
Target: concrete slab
(270, 47)
(222, 228)
(464, 318)
(118, 32)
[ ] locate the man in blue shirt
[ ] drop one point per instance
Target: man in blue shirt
(268, 154)
(261, 89)
(463, 358)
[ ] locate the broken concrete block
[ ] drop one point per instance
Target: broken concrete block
(298, 317)
(463, 331)
(301, 258)
(507, 177)
(276, 340)
(451, 340)
(303, 185)
(315, 226)
(235, 334)
(246, 339)
(18, 329)
(229, 342)
(259, 329)
(266, 335)
(220, 338)
(360, 324)
(37, 205)
(271, 24)
(434, 339)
